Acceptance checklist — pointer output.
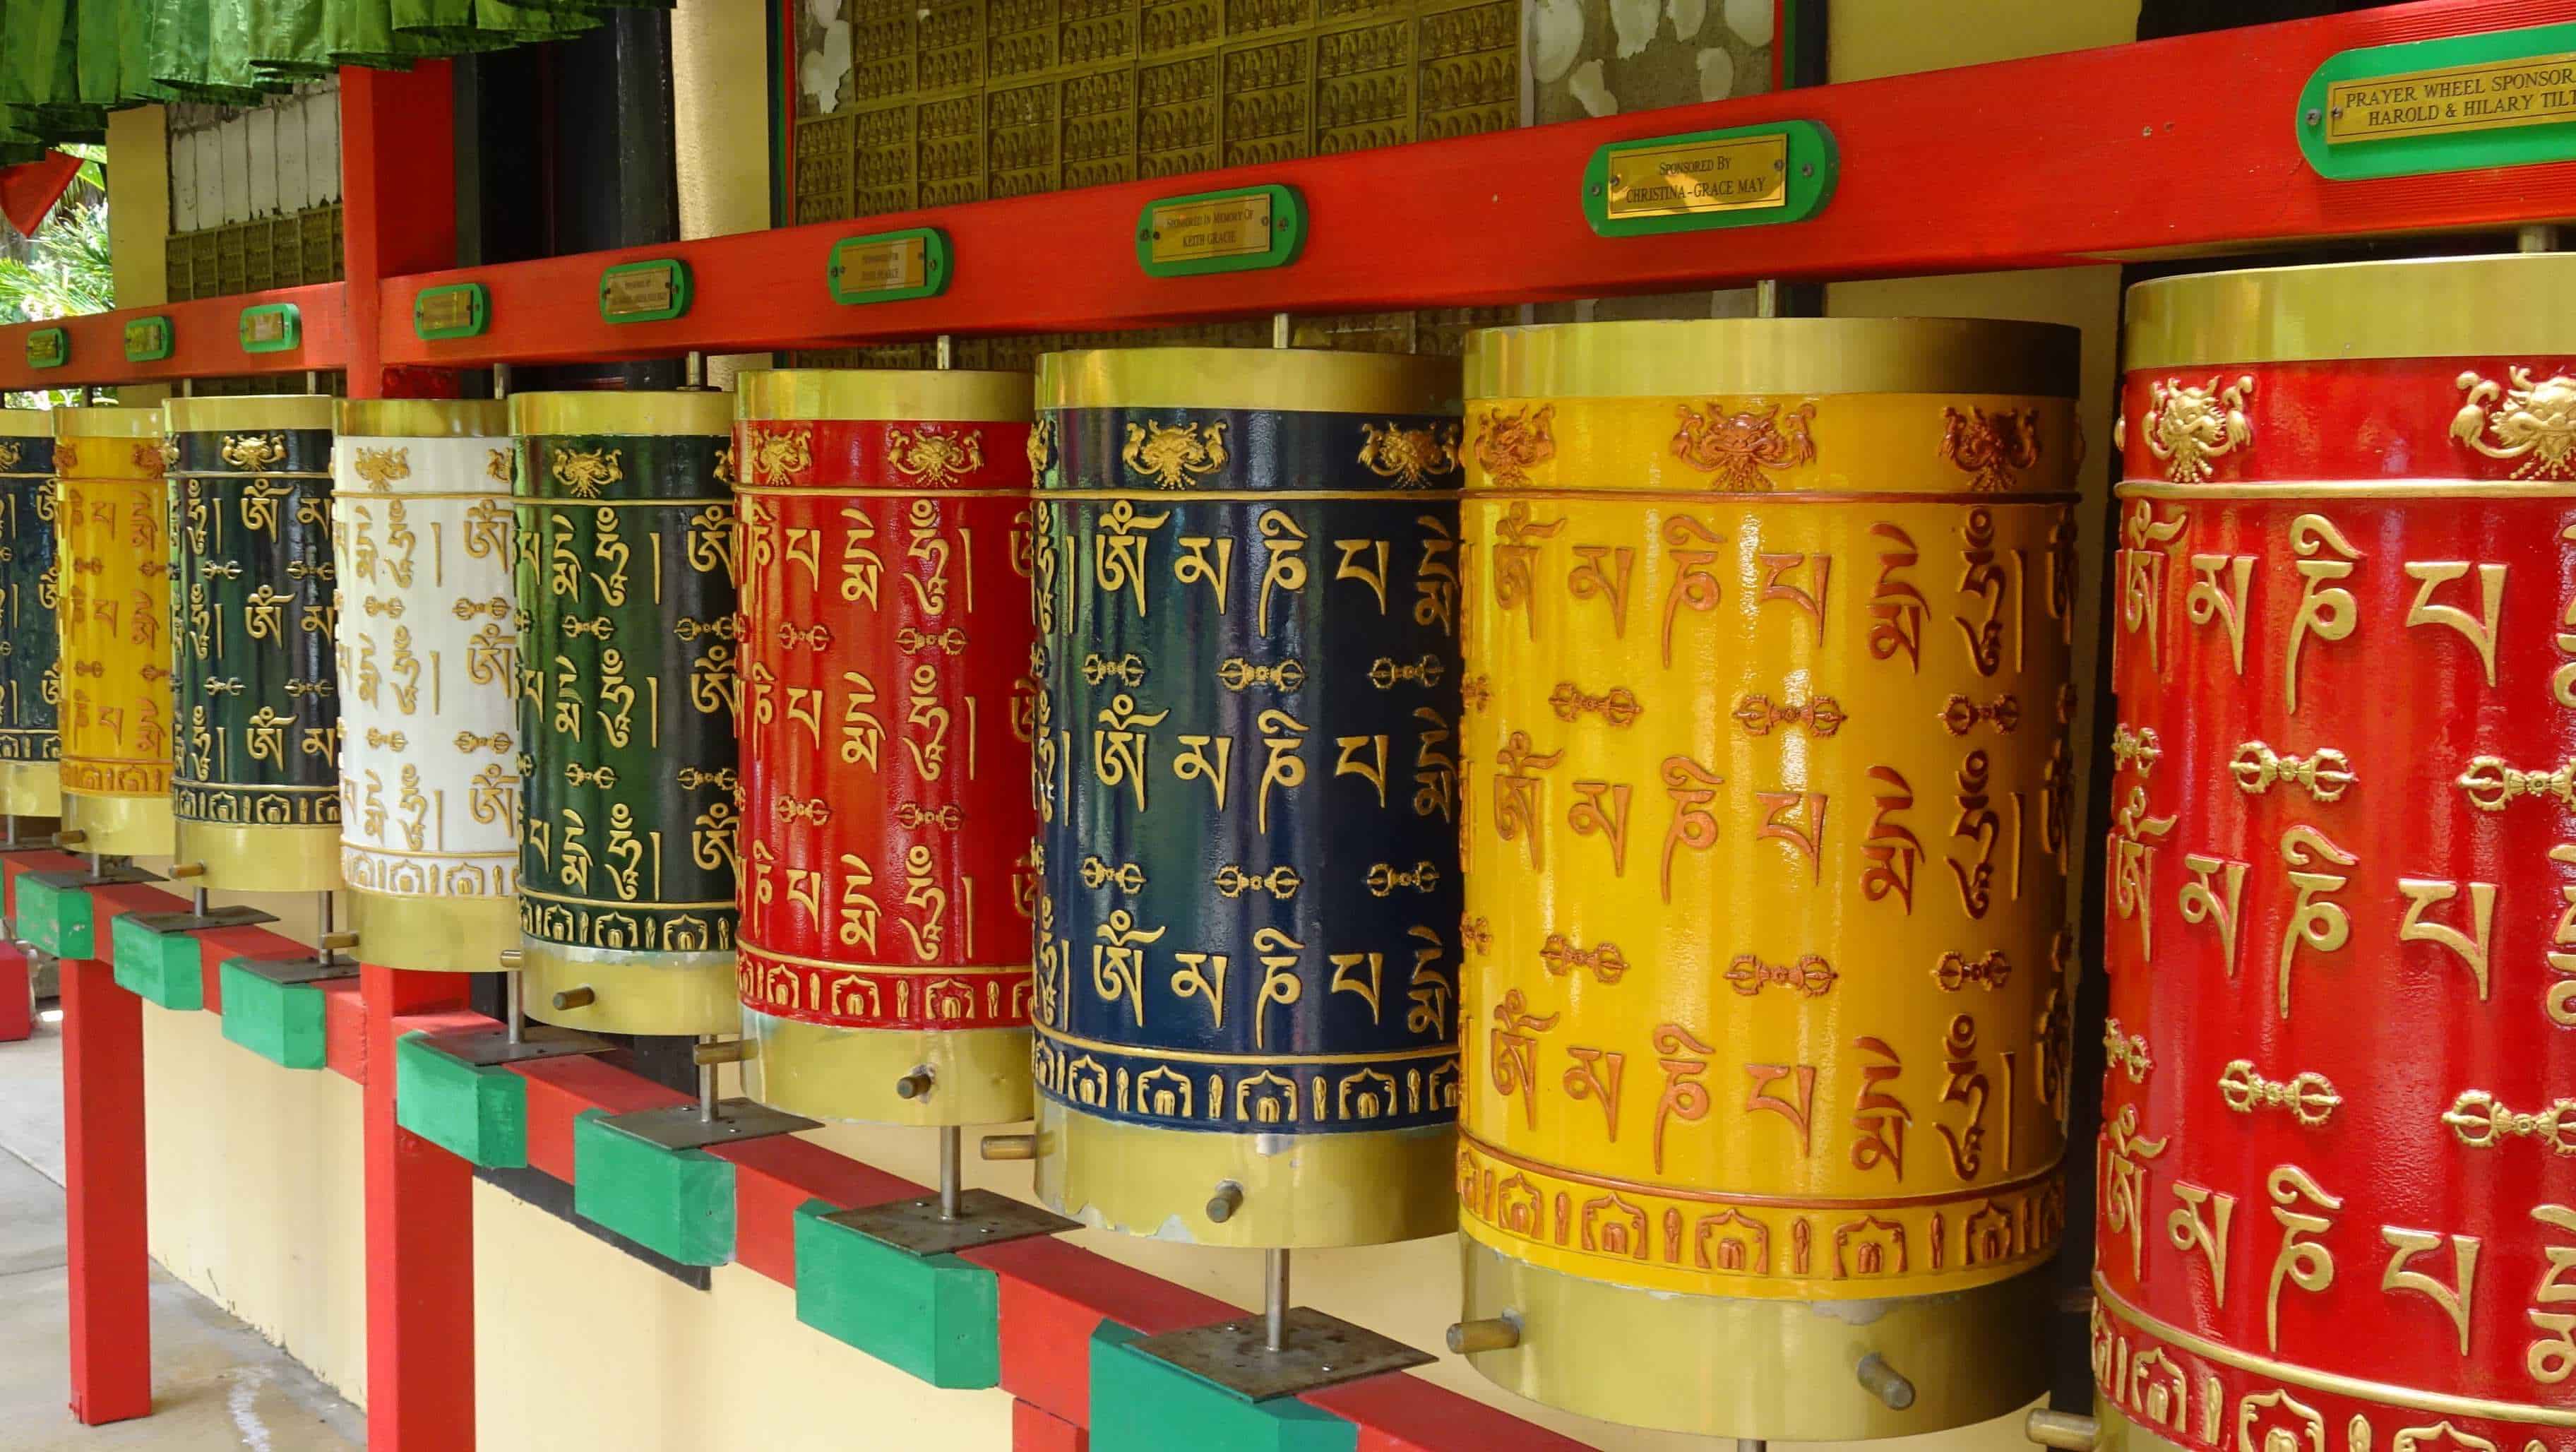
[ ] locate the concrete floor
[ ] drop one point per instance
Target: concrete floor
(216, 1383)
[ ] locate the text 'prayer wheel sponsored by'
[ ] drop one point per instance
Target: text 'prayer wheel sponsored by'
(2338, 1171)
(888, 836)
(112, 537)
(256, 792)
(429, 654)
(1766, 842)
(31, 685)
(1247, 576)
(626, 713)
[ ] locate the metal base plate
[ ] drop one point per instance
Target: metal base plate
(189, 922)
(680, 1127)
(287, 972)
(1316, 1351)
(104, 877)
(485, 1048)
(983, 1218)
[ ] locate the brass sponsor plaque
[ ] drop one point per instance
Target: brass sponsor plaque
(48, 348)
(1736, 174)
(445, 309)
(898, 262)
(645, 290)
(2490, 96)
(1231, 226)
(263, 326)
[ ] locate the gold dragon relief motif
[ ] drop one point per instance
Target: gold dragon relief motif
(381, 467)
(1410, 457)
(1990, 448)
(932, 458)
(1742, 451)
(1512, 441)
(585, 472)
(2534, 422)
(775, 456)
(2189, 428)
(246, 451)
(1172, 454)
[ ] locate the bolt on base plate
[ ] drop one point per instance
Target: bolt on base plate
(983, 1218)
(485, 1048)
(1317, 1351)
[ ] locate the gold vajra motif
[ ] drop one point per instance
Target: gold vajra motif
(913, 816)
(249, 451)
(1409, 456)
(1041, 447)
(1617, 706)
(933, 460)
(1386, 672)
(1169, 453)
(808, 809)
(2534, 422)
(2489, 783)
(2480, 1119)
(1236, 673)
(2140, 748)
(1735, 449)
(2326, 775)
(2309, 1097)
(1563, 955)
(1956, 970)
(2187, 429)
(1810, 975)
(1385, 877)
(1126, 876)
(2126, 1052)
(584, 472)
(1510, 441)
(723, 467)
(1988, 447)
(1280, 882)
(1822, 716)
(1959, 715)
(381, 467)
(574, 775)
(772, 456)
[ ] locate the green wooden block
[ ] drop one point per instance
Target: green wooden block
(163, 968)
(280, 1022)
(476, 1114)
(676, 1202)
(59, 920)
(1140, 1404)
(934, 1316)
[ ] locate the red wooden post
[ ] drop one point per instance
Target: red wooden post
(17, 997)
(398, 179)
(111, 1258)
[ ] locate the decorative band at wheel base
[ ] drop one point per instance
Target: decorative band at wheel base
(1296, 1190)
(433, 934)
(119, 826)
(978, 1076)
(1791, 1368)
(31, 788)
(618, 992)
(258, 858)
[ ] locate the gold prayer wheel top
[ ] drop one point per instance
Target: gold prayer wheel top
(2415, 307)
(423, 418)
(105, 421)
(27, 423)
(891, 395)
(1291, 380)
(253, 411)
(607, 412)
(1662, 359)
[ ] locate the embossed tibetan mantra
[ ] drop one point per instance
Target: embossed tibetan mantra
(1248, 935)
(626, 711)
(256, 791)
(888, 833)
(111, 535)
(1766, 836)
(31, 684)
(429, 654)
(2338, 1178)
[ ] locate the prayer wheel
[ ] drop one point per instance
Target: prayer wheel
(1247, 575)
(626, 714)
(2337, 1206)
(429, 654)
(112, 523)
(1767, 686)
(888, 836)
(31, 683)
(256, 790)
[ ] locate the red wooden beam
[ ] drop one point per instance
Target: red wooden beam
(2181, 145)
(205, 338)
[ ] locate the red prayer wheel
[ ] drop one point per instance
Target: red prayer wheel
(888, 837)
(2337, 1181)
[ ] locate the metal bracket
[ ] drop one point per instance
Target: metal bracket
(983, 1218)
(194, 922)
(487, 1048)
(1316, 1351)
(104, 877)
(687, 1126)
(288, 972)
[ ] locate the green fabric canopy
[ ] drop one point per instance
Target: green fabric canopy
(64, 64)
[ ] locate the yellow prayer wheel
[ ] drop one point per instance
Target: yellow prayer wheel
(256, 786)
(31, 685)
(1766, 852)
(112, 538)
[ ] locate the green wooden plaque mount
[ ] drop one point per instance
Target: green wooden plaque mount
(2504, 98)
(1741, 176)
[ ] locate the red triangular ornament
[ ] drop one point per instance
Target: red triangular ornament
(29, 190)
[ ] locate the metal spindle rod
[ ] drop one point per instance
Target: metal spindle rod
(1282, 330)
(947, 352)
(2536, 237)
(952, 1153)
(12, 840)
(1752, 1444)
(328, 954)
(707, 1085)
(513, 1004)
(197, 901)
(1274, 1299)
